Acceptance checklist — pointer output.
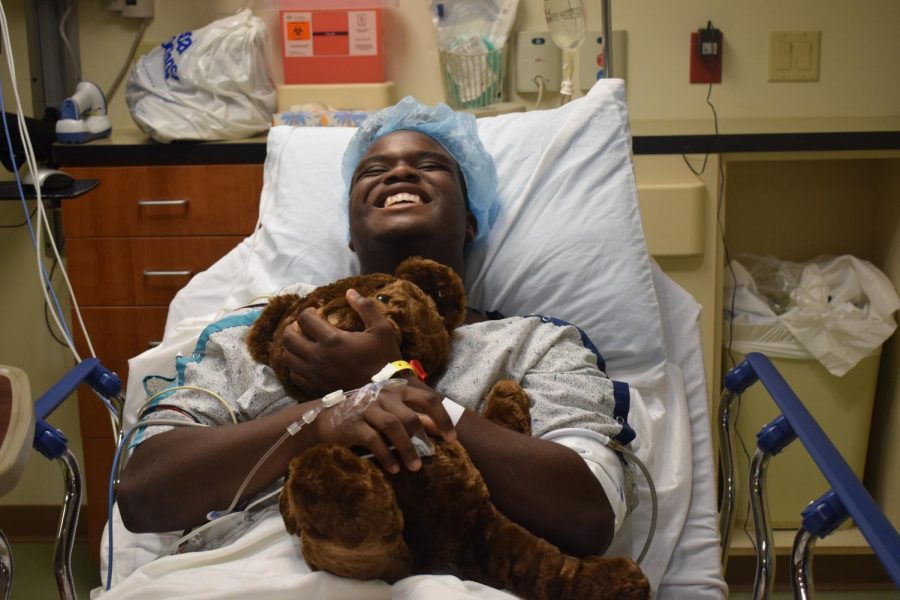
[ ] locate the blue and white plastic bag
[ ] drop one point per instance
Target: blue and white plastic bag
(213, 83)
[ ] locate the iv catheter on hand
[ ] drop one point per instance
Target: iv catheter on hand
(345, 405)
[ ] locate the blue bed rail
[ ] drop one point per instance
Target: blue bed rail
(847, 497)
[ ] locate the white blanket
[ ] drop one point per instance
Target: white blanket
(266, 563)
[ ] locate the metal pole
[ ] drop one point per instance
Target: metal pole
(68, 520)
(801, 564)
(765, 563)
(726, 448)
(6, 568)
(607, 38)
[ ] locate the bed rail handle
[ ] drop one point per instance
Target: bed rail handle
(845, 486)
(736, 381)
(726, 463)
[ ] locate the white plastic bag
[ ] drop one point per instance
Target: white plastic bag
(213, 83)
(837, 310)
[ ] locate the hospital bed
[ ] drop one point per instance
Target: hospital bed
(568, 243)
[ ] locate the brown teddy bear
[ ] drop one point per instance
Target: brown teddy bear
(355, 520)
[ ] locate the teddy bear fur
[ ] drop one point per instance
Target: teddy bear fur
(355, 520)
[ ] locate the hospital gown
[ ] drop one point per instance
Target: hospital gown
(566, 388)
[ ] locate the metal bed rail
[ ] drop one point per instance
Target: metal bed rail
(53, 444)
(847, 497)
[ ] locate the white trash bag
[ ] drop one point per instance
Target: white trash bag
(213, 83)
(837, 310)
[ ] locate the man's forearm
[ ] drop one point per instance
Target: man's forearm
(175, 478)
(543, 486)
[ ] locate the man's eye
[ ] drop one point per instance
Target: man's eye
(430, 166)
(384, 299)
(370, 171)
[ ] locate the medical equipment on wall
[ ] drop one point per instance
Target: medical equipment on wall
(472, 47)
(847, 497)
(565, 19)
(83, 115)
(24, 426)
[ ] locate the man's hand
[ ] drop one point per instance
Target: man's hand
(324, 358)
(398, 413)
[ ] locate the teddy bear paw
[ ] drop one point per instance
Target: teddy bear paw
(507, 404)
(612, 578)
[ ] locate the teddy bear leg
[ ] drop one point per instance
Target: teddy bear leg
(606, 578)
(533, 568)
(507, 405)
(347, 515)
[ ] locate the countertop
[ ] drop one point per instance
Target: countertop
(132, 147)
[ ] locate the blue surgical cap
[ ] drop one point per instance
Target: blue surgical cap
(457, 132)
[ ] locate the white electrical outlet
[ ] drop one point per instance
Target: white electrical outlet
(591, 62)
(537, 55)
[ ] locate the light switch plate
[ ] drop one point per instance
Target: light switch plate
(536, 54)
(794, 55)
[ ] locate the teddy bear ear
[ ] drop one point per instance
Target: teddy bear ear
(441, 283)
(259, 338)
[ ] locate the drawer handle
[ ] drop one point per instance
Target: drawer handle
(153, 343)
(151, 273)
(162, 202)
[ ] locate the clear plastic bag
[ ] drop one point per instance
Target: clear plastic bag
(213, 83)
(835, 309)
(479, 25)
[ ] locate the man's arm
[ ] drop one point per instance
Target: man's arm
(543, 486)
(176, 477)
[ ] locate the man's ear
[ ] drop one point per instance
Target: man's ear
(471, 226)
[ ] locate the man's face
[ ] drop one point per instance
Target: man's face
(408, 187)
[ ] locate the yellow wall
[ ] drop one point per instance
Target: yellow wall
(24, 342)
(881, 468)
(858, 41)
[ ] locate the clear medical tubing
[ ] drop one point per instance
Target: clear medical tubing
(654, 501)
(347, 405)
(565, 19)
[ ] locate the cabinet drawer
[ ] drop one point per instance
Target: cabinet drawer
(117, 333)
(165, 201)
(139, 271)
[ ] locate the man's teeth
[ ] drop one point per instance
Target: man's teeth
(401, 198)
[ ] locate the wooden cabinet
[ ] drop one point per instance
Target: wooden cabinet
(131, 244)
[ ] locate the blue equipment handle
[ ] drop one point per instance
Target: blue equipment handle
(878, 531)
(50, 441)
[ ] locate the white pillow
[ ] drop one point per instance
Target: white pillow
(567, 243)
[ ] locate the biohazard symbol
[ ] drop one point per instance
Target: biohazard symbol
(298, 31)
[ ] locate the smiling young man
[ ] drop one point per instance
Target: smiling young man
(419, 183)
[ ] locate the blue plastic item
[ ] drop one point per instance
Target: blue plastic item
(50, 441)
(849, 496)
